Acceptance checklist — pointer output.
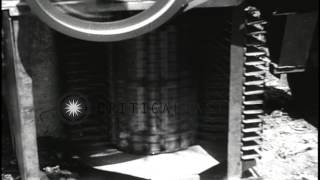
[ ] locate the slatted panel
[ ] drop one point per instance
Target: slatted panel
(150, 72)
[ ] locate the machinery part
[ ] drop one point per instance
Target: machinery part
(291, 40)
(150, 76)
(255, 67)
(131, 27)
(305, 86)
(212, 125)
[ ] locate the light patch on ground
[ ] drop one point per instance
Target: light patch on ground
(289, 149)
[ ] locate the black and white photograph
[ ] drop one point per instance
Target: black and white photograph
(159, 89)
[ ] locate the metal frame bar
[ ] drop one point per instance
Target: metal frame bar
(235, 95)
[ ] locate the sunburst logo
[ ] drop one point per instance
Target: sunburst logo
(74, 108)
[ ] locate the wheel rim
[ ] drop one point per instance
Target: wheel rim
(136, 25)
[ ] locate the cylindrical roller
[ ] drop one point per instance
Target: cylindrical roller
(151, 75)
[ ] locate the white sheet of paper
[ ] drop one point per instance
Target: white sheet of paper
(193, 160)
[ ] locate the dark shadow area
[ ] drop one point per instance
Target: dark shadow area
(305, 86)
(303, 103)
(9, 164)
(276, 99)
(305, 96)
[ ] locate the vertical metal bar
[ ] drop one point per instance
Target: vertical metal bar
(19, 101)
(235, 95)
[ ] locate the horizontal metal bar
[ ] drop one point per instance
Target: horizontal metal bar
(275, 69)
(254, 145)
(253, 92)
(253, 83)
(256, 102)
(256, 22)
(248, 130)
(256, 73)
(250, 156)
(254, 63)
(258, 111)
(251, 138)
(252, 121)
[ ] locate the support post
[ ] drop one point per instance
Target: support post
(19, 101)
(234, 169)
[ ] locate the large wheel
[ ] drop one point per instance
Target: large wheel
(136, 25)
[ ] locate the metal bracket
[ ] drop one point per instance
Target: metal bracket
(275, 69)
(296, 43)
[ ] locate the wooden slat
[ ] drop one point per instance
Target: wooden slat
(20, 104)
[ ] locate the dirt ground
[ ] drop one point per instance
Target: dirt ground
(290, 145)
(289, 149)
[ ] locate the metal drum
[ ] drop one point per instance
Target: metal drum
(152, 87)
